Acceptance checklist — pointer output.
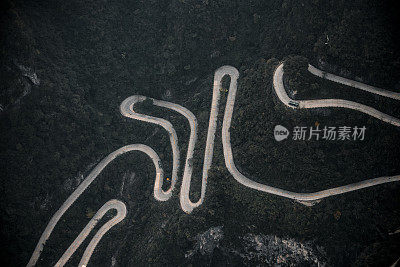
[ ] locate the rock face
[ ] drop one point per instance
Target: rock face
(29, 73)
(261, 249)
(206, 242)
(272, 250)
(15, 87)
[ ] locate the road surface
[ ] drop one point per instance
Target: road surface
(119, 206)
(337, 103)
(351, 83)
(127, 110)
(121, 213)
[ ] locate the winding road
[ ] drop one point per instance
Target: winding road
(187, 205)
(121, 213)
(113, 204)
(351, 83)
(338, 103)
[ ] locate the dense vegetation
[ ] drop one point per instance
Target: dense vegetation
(90, 55)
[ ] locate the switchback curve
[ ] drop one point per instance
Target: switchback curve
(159, 194)
(126, 109)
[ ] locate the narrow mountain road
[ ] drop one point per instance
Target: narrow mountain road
(351, 83)
(159, 194)
(121, 213)
(127, 110)
(336, 103)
